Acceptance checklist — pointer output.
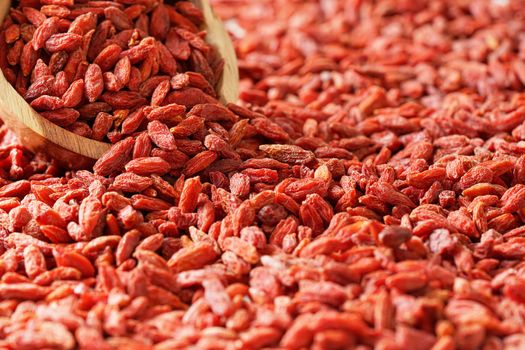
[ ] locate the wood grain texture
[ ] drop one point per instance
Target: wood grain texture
(216, 35)
(74, 151)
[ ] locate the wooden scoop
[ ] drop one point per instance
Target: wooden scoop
(74, 151)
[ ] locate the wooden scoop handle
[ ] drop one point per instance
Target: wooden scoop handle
(228, 87)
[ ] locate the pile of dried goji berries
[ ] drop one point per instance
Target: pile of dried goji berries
(102, 69)
(367, 192)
